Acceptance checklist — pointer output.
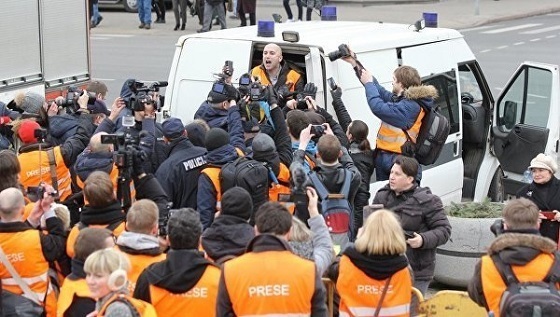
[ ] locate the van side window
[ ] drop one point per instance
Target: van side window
(526, 100)
(448, 102)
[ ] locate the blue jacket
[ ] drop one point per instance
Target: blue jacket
(229, 120)
(63, 126)
(88, 162)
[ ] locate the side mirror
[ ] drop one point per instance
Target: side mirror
(510, 114)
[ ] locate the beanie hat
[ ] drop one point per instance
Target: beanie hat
(236, 201)
(544, 162)
(216, 97)
(98, 107)
(263, 144)
(196, 133)
(26, 131)
(30, 102)
(173, 128)
(216, 138)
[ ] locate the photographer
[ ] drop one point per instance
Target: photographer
(36, 156)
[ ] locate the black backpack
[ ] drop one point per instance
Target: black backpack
(336, 208)
(249, 174)
(538, 298)
(432, 135)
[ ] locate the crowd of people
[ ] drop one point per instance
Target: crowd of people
(110, 213)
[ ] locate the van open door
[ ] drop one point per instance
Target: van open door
(526, 121)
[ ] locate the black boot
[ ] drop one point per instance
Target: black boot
(183, 27)
(176, 27)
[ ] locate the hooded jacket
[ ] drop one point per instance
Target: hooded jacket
(422, 212)
(227, 236)
(515, 247)
(178, 273)
(177, 172)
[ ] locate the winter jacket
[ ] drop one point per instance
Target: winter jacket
(365, 163)
(63, 126)
(320, 248)
(422, 212)
(88, 162)
(227, 236)
(547, 198)
(286, 72)
(229, 120)
(517, 248)
(178, 273)
(178, 172)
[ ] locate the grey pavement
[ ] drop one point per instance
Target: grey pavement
(456, 14)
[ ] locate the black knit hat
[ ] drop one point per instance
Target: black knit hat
(236, 201)
(216, 138)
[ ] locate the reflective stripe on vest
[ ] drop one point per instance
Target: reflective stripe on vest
(291, 79)
(200, 299)
(24, 251)
(138, 262)
(142, 308)
(360, 294)
(69, 289)
(256, 292)
(32, 175)
(390, 138)
(493, 286)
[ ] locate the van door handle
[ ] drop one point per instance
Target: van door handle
(456, 148)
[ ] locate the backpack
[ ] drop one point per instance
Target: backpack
(432, 135)
(538, 298)
(336, 208)
(249, 174)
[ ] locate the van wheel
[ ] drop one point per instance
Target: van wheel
(131, 5)
(496, 190)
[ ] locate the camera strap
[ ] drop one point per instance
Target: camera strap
(52, 166)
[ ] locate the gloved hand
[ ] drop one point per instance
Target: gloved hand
(282, 93)
(5, 120)
(271, 95)
(13, 106)
(336, 94)
(309, 90)
(138, 158)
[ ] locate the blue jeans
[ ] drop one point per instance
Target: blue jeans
(145, 11)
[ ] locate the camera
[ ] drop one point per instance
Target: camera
(228, 68)
(125, 147)
(317, 130)
(142, 93)
(332, 83)
(244, 85)
(40, 134)
(72, 96)
(300, 181)
(36, 193)
(343, 51)
(256, 91)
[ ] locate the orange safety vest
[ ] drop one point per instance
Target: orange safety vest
(198, 301)
(493, 286)
(76, 230)
(138, 263)
(258, 292)
(390, 138)
(360, 294)
(142, 308)
(283, 187)
(32, 175)
(114, 176)
(69, 289)
(213, 172)
(291, 80)
(23, 249)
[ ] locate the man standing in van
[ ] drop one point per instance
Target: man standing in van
(398, 111)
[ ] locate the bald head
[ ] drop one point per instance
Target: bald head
(272, 56)
(95, 145)
(11, 204)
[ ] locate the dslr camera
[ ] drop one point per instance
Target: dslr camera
(343, 51)
(257, 91)
(36, 193)
(72, 96)
(142, 94)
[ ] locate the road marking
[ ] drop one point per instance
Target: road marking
(553, 14)
(543, 30)
(538, 96)
(479, 28)
(550, 36)
(501, 47)
(534, 40)
(114, 35)
(485, 51)
(519, 43)
(512, 28)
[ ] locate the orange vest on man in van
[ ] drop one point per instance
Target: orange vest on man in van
(32, 175)
(142, 308)
(23, 250)
(291, 79)
(360, 294)
(69, 289)
(391, 139)
(278, 290)
(493, 285)
(199, 301)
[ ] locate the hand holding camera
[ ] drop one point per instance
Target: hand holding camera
(116, 108)
(83, 100)
(312, 207)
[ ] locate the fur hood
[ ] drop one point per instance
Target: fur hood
(419, 92)
(533, 241)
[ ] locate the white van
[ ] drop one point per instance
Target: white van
(490, 144)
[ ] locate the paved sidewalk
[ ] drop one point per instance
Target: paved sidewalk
(457, 14)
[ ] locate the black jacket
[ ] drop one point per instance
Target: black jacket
(547, 198)
(227, 236)
(422, 212)
(365, 163)
(178, 273)
(264, 243)
(179, 172)
(515, 247)
(81, 306)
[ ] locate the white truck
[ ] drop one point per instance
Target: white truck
(490, 143)
(45, 47)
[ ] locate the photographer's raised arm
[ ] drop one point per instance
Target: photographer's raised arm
(109, 124)
(76, 144)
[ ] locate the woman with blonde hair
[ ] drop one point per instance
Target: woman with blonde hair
(372, 276)
(106, 276)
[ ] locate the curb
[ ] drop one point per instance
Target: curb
(514, 17)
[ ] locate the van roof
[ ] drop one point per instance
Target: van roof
(330, 34)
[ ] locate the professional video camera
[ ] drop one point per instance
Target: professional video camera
(257, 91)
(142, 93)
(244, 85)
(343, 51)
(300, 181)
(72, 96)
